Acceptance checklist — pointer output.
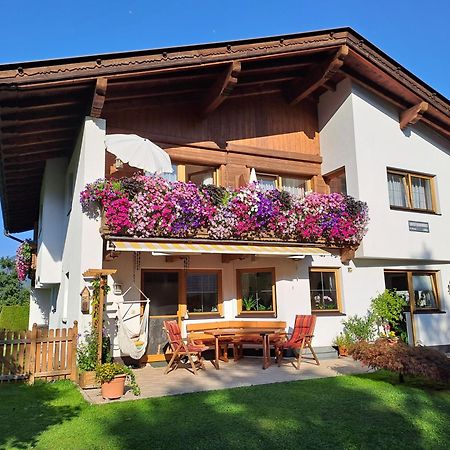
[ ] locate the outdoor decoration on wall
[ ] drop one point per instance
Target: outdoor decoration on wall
(24, 256)
(85, 300)
(145, 207)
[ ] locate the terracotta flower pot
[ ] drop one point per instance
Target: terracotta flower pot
(86, 380)
(115, 388)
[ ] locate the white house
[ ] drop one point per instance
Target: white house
(323, 111)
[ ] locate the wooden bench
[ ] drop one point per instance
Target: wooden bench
(196, 333)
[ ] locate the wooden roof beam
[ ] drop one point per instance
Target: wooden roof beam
(99, 97)
(221, 89)
(300, 89)
(412, 115)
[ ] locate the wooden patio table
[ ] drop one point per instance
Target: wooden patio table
(265, 333)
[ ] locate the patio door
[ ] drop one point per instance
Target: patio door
(162, 287)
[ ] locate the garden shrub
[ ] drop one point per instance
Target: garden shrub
(15, 317)
(358, 328)
(403, 359)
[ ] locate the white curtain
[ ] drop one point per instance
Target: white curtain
(397, 192)
(294, 186)
(421, 193)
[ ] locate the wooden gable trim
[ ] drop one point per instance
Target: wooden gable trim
(412, 115)
(222, 88)
(300, 89)
(99, 97)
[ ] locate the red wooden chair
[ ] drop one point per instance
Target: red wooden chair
(300, 340)
(181, 349)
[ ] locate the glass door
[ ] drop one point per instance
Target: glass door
(162, 287)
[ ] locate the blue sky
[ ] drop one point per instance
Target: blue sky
(414, 32)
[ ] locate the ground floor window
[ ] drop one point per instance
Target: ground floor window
(256, 291)
(324, 289)
(421, 287)
(202, 292)
(183, 291)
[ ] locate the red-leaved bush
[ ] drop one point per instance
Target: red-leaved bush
(403, 359)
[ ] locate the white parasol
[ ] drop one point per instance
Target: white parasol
(139, 152)
(253, 178)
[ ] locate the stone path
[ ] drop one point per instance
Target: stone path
(246, 372)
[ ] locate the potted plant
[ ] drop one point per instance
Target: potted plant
(87, 359)
(112, 377)
(342, 341)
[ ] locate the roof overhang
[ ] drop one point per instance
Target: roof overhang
(187, 249)
(43, 103)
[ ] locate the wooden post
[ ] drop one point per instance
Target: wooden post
(73, 362)
(32, 349)
(101, 302)
(411, 307)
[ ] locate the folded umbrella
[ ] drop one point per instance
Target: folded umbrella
(139, 152)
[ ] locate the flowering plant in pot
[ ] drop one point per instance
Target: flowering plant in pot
(343, 342)
(23, 260)
(112, 377)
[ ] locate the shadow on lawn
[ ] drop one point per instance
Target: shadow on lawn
(345, 412)
(27, 411)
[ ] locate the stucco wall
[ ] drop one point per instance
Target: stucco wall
(67, 228)
(51, 228)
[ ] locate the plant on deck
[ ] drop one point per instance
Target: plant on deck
(104, 373)
(145, 207)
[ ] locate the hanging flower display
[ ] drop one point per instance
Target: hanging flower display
(145, 207)
(23, 260)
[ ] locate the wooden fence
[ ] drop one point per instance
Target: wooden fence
(38, 354)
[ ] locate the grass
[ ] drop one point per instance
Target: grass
(353, 412)
(14, 318)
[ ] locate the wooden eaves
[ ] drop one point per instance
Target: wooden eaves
(43, 103)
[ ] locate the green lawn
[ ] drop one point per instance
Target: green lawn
(353, 412)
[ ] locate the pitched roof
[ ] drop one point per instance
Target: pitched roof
(43, 103)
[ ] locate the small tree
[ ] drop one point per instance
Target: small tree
(387, 310)
(12, 291)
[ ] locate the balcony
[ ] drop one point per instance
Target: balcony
(144, 207)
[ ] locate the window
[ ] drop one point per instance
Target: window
(421, 286)
(201, 175)
(202, 292)
(336, 181)
(410, 191)
(171, 176)
(324, 289)
(192, 291)
(256, 291)
(294, 186)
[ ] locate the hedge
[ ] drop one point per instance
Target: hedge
(14, 318)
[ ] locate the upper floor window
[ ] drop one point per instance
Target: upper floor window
(336, 181)
(410, 190)
(199, 175)
(294, 186)
(171, 176)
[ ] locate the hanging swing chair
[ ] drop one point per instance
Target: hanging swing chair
(131, 343)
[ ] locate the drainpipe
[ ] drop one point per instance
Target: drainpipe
(6, 233)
